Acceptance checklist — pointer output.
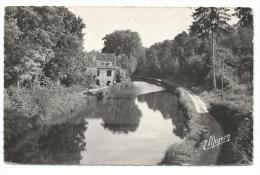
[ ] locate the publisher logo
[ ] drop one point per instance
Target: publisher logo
(214, 141)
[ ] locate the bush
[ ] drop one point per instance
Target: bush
(239, 123)
(43, 102)
(122, 77)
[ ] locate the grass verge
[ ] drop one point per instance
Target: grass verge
(189, 151)
(234, 113)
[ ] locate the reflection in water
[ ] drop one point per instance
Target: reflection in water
(168, 106)
(63, 143)
(55, 144)
(121, 115)
(132, 126)
(146, 124)
(119, 112)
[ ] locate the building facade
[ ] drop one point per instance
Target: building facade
(106, 68)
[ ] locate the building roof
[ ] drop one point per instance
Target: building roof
(106, 57)
(91, 71)
(106, 60)
(108, 68)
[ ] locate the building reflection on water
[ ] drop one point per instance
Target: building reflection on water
(120, 114)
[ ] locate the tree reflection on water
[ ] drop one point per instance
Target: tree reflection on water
(119, 114)
(63, 143)
(168, 105)
(54, 144)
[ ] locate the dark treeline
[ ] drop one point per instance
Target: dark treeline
(189, 56)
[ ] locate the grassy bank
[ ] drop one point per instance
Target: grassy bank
(181, 153)
(200, 126)
(233, 113)
(239, 123)
(43, 102)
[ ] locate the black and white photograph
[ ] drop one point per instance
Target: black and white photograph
(128, 85)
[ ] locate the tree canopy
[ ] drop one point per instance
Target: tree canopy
(127, 46)
(207, 20)
(245, 16)
(122, 42)
(188, 57)
(42, 42)
(210, 21)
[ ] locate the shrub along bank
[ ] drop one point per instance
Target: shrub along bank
(239, 123)
(234, 113)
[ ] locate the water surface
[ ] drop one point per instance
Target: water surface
(132, 126)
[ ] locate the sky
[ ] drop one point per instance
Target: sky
(154, 24)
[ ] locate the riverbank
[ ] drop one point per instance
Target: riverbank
(238, 122)
(234, 114)
(200, 126)
(25, 109)
(28, 111)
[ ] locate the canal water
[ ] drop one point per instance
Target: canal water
(132, 126)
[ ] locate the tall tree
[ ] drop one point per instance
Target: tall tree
(245, 16)
(124, 42)
(245, 33)
(210, 21)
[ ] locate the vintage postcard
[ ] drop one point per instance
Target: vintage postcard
(136, 85)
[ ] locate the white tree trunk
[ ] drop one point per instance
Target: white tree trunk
(213, 62)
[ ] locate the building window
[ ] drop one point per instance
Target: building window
(97, 72)
(97, 82)
(109, 72)
(108, 83)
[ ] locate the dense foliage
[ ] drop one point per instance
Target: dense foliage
(213, 55)
(127, 46)
(190, 56)
(42, 45)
